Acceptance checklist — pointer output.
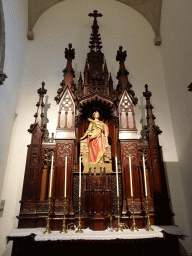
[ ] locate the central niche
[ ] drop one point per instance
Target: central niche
(107, 136)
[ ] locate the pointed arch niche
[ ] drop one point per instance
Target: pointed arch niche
(66, 116)
(106, 110)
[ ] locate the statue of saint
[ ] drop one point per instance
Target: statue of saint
(97, 134)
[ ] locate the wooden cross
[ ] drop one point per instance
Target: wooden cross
(95, 14)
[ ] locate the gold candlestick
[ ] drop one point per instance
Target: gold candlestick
(79, 230)
(133, 228)
(48, 231)
(63, 231)
(119, 227)
(111, 222)
(148, 227)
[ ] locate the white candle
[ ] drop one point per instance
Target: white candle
(79, 176)
(65, 190)
(51, 176)
(117, 177)
(145, 179)
(131, 180)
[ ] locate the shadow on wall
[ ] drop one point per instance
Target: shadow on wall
(185, 165)
(177, 192)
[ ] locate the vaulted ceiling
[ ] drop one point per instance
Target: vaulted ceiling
(150, 9)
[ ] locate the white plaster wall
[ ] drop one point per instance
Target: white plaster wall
(15, 13)
(177, 61)
(67, 22)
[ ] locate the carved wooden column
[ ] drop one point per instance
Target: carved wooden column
(161, 200)
(59, 120)
(32, 180)
(33, 167)
(44, 183)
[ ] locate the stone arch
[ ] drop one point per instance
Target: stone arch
(150, 10)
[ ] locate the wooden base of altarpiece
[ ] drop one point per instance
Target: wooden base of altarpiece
(99, 199)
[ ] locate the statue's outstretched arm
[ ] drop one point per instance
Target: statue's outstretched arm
(87, 132)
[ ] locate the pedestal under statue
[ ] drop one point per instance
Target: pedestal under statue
(94, 147)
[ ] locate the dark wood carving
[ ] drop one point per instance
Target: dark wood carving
(160, 194)
(95, 92)
(190, 87)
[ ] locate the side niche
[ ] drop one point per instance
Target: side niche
(127, 124)
(66, 117)
(127, 113)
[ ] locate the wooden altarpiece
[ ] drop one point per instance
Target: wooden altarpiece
(99, 196)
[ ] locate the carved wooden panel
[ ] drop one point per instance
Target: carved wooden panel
(153, 137)
(87, 208)
(36, 135)
(28, 208)
(63, 150)
(149, 172)
(46, 167)
(131, 149)
(32, 180)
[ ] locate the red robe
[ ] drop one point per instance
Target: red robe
(97, 140)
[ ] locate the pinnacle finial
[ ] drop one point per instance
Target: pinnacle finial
(121, 56)
(70, 53)
(147, 94)
(41, 91)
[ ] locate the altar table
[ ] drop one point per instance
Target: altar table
(141, 241)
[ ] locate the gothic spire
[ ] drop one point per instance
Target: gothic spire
(68, 73)
(122, 74)
(80, 83)
(150, 117)
(106, 82)
(95, 56)
(40, 108)
(86, 73)
(110, 83)
(95, 43)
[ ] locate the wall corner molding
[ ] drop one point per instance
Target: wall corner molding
(150, 10)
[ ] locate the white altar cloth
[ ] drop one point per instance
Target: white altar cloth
(95, 235)
(100, 235)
